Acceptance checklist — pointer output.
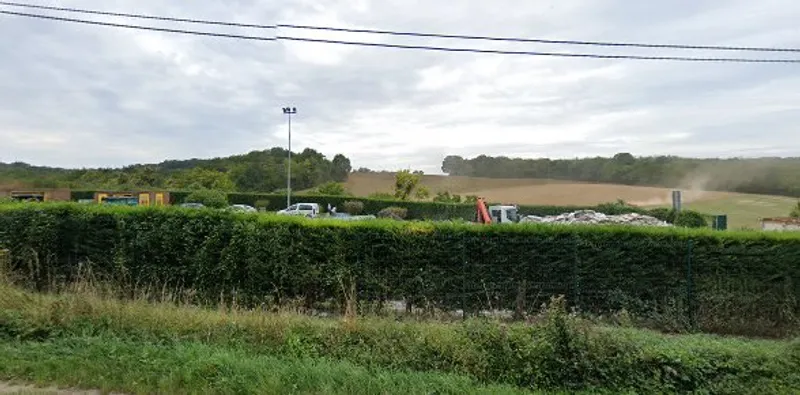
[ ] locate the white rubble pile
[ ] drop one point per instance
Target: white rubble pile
(593, 217)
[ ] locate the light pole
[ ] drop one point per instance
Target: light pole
(289, 111)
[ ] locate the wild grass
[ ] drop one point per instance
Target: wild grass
(109, 363)
(555, 351)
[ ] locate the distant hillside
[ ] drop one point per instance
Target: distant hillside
(769, 176)
(257, 171)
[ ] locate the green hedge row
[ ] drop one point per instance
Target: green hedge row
(444, 211)
(724, 281)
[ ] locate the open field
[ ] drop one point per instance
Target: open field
(743, 210)
(83, 339)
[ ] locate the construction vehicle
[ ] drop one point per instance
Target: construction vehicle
(498, 214)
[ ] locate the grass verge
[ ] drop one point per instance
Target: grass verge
(110, 363)
(558, 352)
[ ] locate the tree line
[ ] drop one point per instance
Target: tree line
(257, 171)
(773, 176)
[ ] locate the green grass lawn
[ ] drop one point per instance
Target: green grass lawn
(745, 211)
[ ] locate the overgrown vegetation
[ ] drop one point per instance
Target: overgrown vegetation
(406, 182)
(769, 176)
(795, 213)
(554, 351)
(743, 283)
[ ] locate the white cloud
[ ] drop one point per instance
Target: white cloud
(76, 95)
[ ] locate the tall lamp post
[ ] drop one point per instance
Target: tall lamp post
(289, 111)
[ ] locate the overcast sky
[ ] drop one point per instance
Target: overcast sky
(76, 95)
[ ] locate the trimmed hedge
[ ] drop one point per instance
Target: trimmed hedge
(727, 282)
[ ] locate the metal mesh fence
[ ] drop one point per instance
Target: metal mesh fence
(676, 283)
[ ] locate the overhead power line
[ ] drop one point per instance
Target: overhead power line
(534, 53)
(400, 46)
(138, 16)
(410, 34)
(139, 27)
(539, 40)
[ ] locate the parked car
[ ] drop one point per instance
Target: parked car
(192, 205)
(304, 209)
(242, 208)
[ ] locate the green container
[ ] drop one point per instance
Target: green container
(720, 222)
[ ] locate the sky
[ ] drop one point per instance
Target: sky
(74, 95)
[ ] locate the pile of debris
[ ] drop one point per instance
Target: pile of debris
(593, 217)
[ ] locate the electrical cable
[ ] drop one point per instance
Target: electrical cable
(539, 41)
(400, 46)
(139, 27)
(139, 16)
(410, 34)
(534, 53)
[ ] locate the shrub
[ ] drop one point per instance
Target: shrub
(662, 213)
(209, 198)
(795, 213)
(690, 219)
(353, 207)
(422, 193)
(393, 212)
(445, 197)
(332, 189)
(470, 199)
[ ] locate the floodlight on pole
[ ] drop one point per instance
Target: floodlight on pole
(289, 111)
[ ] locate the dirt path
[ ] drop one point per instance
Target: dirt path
(16, 389)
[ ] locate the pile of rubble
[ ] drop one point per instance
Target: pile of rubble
(593, 217)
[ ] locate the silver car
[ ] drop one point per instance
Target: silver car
(243, 208)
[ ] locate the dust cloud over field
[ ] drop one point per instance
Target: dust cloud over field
(534, 191)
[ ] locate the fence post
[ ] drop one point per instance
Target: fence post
(690, 285)
(5, 265)
(464, 277)
(576, 271)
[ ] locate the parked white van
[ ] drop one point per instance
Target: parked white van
(304, 209)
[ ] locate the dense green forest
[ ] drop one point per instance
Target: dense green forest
(257, 171)
(773, 176)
